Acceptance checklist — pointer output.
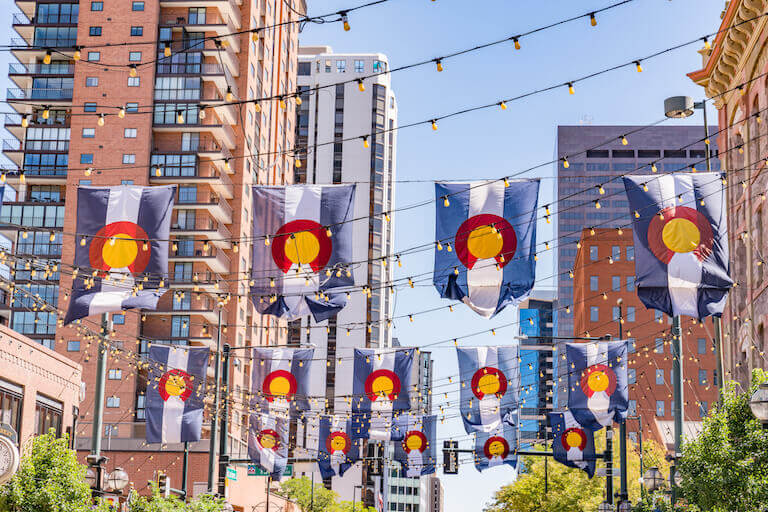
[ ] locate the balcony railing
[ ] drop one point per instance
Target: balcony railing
(34, 93)
(55, 68)
(21, 19)
(41, 43)
(12, 119)
(190, 69)
(32, 215)
(11, 145)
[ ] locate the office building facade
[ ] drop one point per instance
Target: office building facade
(673, 148)
(605, 299)
(92, 110)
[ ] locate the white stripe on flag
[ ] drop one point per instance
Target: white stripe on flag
(300, 203)
(599, 402)
(173, 411)
(282, 359)
(415, 462)
(483, 280)
(490, 416)
(380, 427)
(574, 454)
(122, 206)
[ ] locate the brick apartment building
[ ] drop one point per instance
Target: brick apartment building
(603, 273)
(178, 127)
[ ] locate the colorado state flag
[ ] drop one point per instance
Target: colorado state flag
(280, 379)
(597, 382)
(335, 446)
(572, 444)
(125, 230)
(175, 392)
(380, 385)
(268, 443)
(497, 447)
(681, 245)
(487, 242)
(490, 385)
(302, 249)
(416, 452)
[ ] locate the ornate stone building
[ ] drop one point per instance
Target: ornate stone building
(734, 72)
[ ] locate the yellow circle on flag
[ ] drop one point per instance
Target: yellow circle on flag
(598, 381)
(382, 385)
(484, 242)
(681, 235)
(573, 439)
(175, 385)
(489, 384)
(122, 253)
(338, 443)
(279, 386)
(302, 248)
(413, 442)
(496, 448)
(268, 441)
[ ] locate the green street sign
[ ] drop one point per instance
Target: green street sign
(253, 470)
(232, 474)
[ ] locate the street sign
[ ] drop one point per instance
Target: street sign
(253, 470)
(232, 474)
(601, 472)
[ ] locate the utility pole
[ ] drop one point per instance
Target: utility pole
(677, 396)
(95, 459)
(215, 412)
(609, 464)
(223, 435)
(185, 470)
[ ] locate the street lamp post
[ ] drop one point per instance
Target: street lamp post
(758, 402)
(623, 487)
(653, 480)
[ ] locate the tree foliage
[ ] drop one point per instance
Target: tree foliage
(299, 490)
(725, 468)
(157, 503)
(570, 490)
(50, 479)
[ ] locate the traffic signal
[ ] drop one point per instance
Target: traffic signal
(163, 484)
(450, 457)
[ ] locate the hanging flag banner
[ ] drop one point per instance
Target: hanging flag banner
(681, 244)
(487, 242)
(380, 384)
(597, 382)
(175, 393)
(572, 444)
(302, 249)
(280, 379)
(416, 452)
(268, 443)
(122, 235)
(335, 446)
(490, 385)
(498, 446)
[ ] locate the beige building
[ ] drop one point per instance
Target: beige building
(733, 74)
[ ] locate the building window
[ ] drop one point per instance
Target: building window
(630, 253)
(131, 107)
(660, 376)
(134, 56)
(359, 66)
(119, 318)
(125, 182)
(129, 133)
(616, 313)
(593, 252)
(134, 81)
(180, 326)
(94, 56)
(113, 402)
(110, 430)
(631, 376)
(89, 133)
(129, 158)
(141, 401)
(86, 158)
(616, 252)
(10, 405)
(379, 66)
(715, 380)
(137, 31)
(659, 346)
(702, 377)
(660, 408)
(632, 409)
(630, 283)
(89, 107)
(702, 345)
(616, 283)
(91, 81)
(703, 409)
(594, 314)
(94, 31)
(115, 374)
(657, 315)
(630, 314)
(137, 6)
(630, 345)
(48, 416)
(593, 283)
(97, 6)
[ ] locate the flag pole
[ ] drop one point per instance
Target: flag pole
(95, 459)
(185, 470)
(223, 435)
(623, 492)
(677, 390)
(215, 413)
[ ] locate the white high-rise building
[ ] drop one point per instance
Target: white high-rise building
(325, 119)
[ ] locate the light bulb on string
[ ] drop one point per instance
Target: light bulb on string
(503, 105)
(638, 66)
(47, 57)
(571, 90)
(365, 141)
(121, 113)
(592, 19)
(345, 21)
(76, 56)
(167, 50)
(566, 164)
(133, 71)
(439, 64)
(101, 120)
(516, 40)
(434, 124)
(707, 44)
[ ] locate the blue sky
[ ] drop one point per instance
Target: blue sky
(493, 143)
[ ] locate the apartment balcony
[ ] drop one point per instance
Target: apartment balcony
(228, 9)
(13, 125)
(210, 23)
(209, 148)
(220, 131)
(26, 51)
(23, 74)
(225, 54)
(215, 258)
(214, 231)
(15, 216)
(208, 175)
(52, 31)
(209, 282)
(39, 96)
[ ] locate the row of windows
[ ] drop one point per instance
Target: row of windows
(594, 283)
(615, 252)
(48, 412)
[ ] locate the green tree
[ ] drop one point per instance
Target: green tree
(725, 468)
(299, 490)
(157, 503)
(569, 489)
(50, 479)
